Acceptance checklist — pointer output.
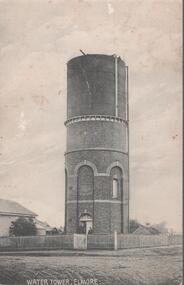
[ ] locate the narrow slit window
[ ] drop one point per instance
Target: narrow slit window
(115, 188)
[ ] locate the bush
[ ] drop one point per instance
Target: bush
(133, 225)
(23, 227)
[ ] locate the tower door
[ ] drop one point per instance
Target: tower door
(86, 223)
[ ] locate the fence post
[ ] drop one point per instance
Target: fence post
(74, 241)
(115, 240)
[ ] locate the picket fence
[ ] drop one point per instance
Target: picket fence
(92, 241)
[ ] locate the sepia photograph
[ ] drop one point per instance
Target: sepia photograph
(91, 142)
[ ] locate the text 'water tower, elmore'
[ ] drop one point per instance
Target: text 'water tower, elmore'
(97, 153)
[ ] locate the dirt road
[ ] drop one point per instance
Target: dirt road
(151, 266)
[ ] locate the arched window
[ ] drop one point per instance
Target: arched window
(116, 182)
(85, 183)
(85, 191)
(115, 187)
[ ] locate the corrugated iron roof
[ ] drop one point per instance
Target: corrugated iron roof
(11, 207)
(146, 230)
(42, 225)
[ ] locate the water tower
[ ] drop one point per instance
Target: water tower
(97, 152)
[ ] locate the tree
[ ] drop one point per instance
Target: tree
(55, 231)
(23, 227)
(133, 225)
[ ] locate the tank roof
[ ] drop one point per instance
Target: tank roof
(95, 55)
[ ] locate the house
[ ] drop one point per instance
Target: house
(10, 211)
(42, 228)
(146, 230)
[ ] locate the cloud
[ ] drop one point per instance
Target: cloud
(110, 8)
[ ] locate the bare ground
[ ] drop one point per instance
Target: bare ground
(151, 266)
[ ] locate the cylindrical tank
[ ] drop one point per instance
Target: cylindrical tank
(96, 157)
(91, 86)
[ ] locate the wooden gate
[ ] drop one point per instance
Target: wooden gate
(80, 241)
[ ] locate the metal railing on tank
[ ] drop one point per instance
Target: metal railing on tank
(94, 118)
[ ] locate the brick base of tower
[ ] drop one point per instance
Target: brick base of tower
(108, 213)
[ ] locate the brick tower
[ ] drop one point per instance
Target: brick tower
(97, 155)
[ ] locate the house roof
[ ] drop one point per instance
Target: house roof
(146, 230)
(8, 207)
(42, 225)
(154, 231)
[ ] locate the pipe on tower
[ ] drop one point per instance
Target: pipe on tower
(116, 85)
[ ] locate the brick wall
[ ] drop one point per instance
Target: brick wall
(101, 158)
(91, 134)
(107, 216)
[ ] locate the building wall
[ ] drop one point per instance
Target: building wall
(5, 223)
(97, 138)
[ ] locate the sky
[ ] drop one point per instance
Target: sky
(38, 37)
